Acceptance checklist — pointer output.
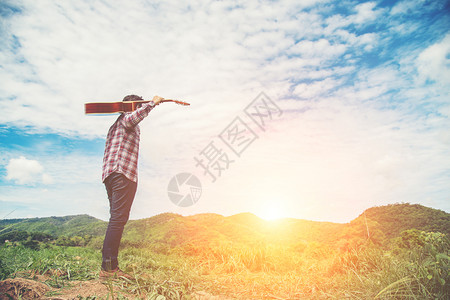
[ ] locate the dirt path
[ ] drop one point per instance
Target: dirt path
(35, 289)
(21, 288)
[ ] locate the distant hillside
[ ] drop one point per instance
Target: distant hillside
(395, 218)
(69, 225)
(205, 229)
(170, 230)
(378, 223)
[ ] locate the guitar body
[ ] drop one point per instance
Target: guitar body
(119, 107)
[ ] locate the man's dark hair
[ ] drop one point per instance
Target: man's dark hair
(132, 98)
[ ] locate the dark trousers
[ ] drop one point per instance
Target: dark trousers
(121, 193)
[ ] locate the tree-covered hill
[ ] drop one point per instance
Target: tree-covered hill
(170, 230)
(395, 218)
(57, 226)
(204, 230)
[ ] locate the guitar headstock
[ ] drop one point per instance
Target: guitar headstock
(176, 101)
(182, 103)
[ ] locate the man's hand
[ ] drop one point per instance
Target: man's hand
(157, 99)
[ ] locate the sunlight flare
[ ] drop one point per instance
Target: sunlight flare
(271, 211)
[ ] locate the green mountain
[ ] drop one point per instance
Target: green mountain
(395, 218)
(169, 230)
(203, 230)
(57, 226)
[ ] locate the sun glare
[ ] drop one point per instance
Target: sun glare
(273, 202)
(270, 212)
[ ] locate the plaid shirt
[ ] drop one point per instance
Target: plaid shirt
(122, 144)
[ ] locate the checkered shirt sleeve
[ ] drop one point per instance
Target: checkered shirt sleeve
(122, 144)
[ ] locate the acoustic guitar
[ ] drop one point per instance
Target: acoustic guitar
(120, 107)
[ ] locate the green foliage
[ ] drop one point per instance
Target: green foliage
(60, 262)
(360, 232)
(5, 268)
(425, 258)
(411, 238)
(31, 244)
(30, 240)
(41, 236)
(74, 241)
(14, 236)
(395, 218)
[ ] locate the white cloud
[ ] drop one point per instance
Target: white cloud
(316, 88)
(406, 7)
(320, 49)
(197, 51)
(47, 179)
(366, 13)
(91, 56)
(69, 184)
(434, 62)
(27, 171)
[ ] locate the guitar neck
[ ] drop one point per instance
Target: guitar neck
(120, 107)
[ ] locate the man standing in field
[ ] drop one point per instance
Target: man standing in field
(120, 178)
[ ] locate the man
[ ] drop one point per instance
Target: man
(120, 178)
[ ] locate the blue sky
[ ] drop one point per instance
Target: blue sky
(363, 90)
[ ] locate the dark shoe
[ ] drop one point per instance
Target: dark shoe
(114, 274)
